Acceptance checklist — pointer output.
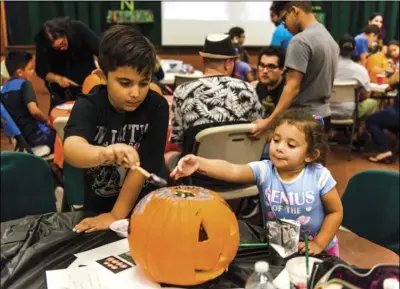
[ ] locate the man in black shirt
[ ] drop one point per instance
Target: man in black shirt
(115, 126)
(271, 77)
(65, 51)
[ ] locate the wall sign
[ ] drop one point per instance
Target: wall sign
(128, 15)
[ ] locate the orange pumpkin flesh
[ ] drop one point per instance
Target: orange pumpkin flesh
(183, 235)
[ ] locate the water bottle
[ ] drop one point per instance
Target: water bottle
(260, 279)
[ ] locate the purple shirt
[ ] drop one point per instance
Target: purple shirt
(241, 69)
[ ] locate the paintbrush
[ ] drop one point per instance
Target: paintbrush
(152, 178)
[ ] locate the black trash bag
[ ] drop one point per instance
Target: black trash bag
(34, 244)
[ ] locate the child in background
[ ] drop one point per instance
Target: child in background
(294, 184)
(19, 98)
(116, 126)
(393, 51)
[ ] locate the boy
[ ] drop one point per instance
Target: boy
(364, 41)
(19, 98)
(115, 126)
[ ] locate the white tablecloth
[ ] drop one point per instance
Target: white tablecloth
(380, 88)
(169, 78)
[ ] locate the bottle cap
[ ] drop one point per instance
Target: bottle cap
(261, 267)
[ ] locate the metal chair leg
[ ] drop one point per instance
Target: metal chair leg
(351, 141)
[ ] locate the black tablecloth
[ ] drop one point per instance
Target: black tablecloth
(34, 244)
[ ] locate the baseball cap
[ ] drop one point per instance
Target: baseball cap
(347, 42)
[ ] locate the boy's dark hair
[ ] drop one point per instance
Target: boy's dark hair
(273, 50)
(57, 28)
(123, 46)
(371, 29)
(313, 129)
(393, 42)
(278, 6)
(236, 32)
(17, 59)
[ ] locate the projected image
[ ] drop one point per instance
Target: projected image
(188, 23)
(203, 11)
(220, 11)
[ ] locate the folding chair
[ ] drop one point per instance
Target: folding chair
(73, 177)
(371, 207)
(233, 144)
(346, 92)
(12, 131)
(26, 186)
(181, 79)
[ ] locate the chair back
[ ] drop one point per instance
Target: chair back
(371, 207)
(10, 127)
(59, 124)
(343, 92)
(26, 186)
(73, 184)
(90, 81)
(180, 79)
(230, 142)
(3, 70)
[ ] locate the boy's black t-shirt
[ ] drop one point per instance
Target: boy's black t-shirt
(96, 120)
(16, 94)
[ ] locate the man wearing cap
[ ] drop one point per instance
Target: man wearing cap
(215, 99)
(348, 70)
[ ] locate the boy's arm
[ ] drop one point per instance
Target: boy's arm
(29, 99)
(80, 154)
(130, 190)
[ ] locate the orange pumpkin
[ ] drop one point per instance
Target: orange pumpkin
(376, 64)
(183, 235)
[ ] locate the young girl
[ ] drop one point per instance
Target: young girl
(293, 184)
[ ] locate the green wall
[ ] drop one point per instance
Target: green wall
(24, 18)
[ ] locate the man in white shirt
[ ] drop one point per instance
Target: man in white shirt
(348, 70)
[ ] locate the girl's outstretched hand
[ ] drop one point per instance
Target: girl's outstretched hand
(186, 167)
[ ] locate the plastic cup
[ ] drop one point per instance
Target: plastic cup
(296, 268)
(379, 78)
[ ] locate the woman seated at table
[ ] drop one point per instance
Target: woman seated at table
(386, 119)
(65, 52)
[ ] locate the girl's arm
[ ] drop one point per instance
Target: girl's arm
(217, 169)
(333, 218)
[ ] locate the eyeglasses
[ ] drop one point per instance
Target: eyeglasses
(283, 18)
(269, 66)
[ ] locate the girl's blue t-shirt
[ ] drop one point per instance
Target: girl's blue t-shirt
(299, 199)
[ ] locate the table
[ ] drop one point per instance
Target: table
(58, 147)
(169, 77)
(380, 88)
(34, 244)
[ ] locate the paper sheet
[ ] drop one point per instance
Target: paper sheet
(115, 248)
(75, 278)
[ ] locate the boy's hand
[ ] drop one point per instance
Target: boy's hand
(313, 248)
(98, 223)
(186, 166)
(121, 154)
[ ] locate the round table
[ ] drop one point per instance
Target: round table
(58, 147)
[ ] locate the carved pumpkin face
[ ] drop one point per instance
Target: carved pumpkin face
(183, 235)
